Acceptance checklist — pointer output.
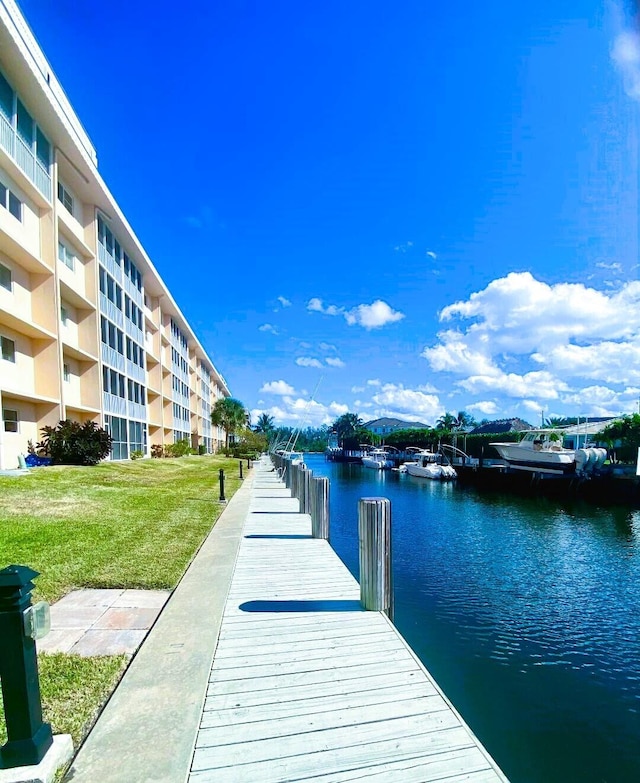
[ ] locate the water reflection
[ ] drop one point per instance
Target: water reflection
(527, 611)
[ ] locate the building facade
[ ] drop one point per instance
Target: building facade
(88, 329)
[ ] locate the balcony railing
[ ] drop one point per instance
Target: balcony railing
(24, 157)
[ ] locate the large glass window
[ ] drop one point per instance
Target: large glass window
(43, 149)
(6, 98)
(25, 125)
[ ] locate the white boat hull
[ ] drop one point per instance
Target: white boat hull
(431, 471)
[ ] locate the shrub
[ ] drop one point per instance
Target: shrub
(202, 449)
(136, 454)
(157, 451)
(178, 449)
(72, 443)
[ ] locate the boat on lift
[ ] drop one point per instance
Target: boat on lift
(428, 464)
(542, 451)
(377, 459)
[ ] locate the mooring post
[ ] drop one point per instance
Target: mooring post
(240, 468)
(222, 497)
(374, 529)
(305, 490)
(28, 737)
(320, 507)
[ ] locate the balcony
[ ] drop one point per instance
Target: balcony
(26, 161)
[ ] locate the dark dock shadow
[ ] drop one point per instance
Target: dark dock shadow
(301, 606)
(283, 536)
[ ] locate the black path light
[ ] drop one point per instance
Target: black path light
(28, 737)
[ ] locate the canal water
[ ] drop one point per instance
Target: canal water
(526, 612)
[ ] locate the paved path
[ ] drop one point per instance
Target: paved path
(102, 622)
(305, 685)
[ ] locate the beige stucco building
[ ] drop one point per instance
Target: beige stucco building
(88, 329)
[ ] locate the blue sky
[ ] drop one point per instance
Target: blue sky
(408, 208)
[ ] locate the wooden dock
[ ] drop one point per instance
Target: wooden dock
(306, 686)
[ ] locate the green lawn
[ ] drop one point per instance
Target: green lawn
(133, 524)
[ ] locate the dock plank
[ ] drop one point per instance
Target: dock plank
(306, 686)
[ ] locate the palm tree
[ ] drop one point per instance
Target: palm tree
(465, 420)
(447, 422)
(231, 415)
(264, 424)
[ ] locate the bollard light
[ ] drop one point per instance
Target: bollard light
(222, 497)
(28, 737)
(37, 620)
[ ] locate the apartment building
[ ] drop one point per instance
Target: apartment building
(88, 329)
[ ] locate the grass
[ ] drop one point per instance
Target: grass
(116, 525)
(134, 524)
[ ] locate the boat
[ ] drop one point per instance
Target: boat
(378, 459)
(429, 464)
(542, 451)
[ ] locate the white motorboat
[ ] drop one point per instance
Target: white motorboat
(541, 451)
(428, 464)
(378, 459)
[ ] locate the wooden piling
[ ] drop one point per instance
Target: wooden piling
(374, 529)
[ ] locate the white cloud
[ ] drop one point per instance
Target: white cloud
(431, 254)
(284, 301)
(486, 407)
(302, 412)
(373, 316)
(357, 389)
(524, 339)
(541, 384)
(268, 328)
(404, 247)
(396, 400)
(327, 347)
(305, 361)
(277, 387)
(625, 52)
(373, 382)
(334, 362)
(315, 305)
(369, 316)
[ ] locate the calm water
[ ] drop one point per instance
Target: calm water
(527, 613)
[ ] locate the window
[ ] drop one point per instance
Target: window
(66, 255)
(64, 314)
(6, 98)
(10, 201)
(66, 373)
(10, 419)
(8, 349)
(65, 198)
(5, 277)
(25, 125)
(15, 206)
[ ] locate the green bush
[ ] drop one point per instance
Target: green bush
(178, 449)
(202, 449)
(72, 443)
(136, 454)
